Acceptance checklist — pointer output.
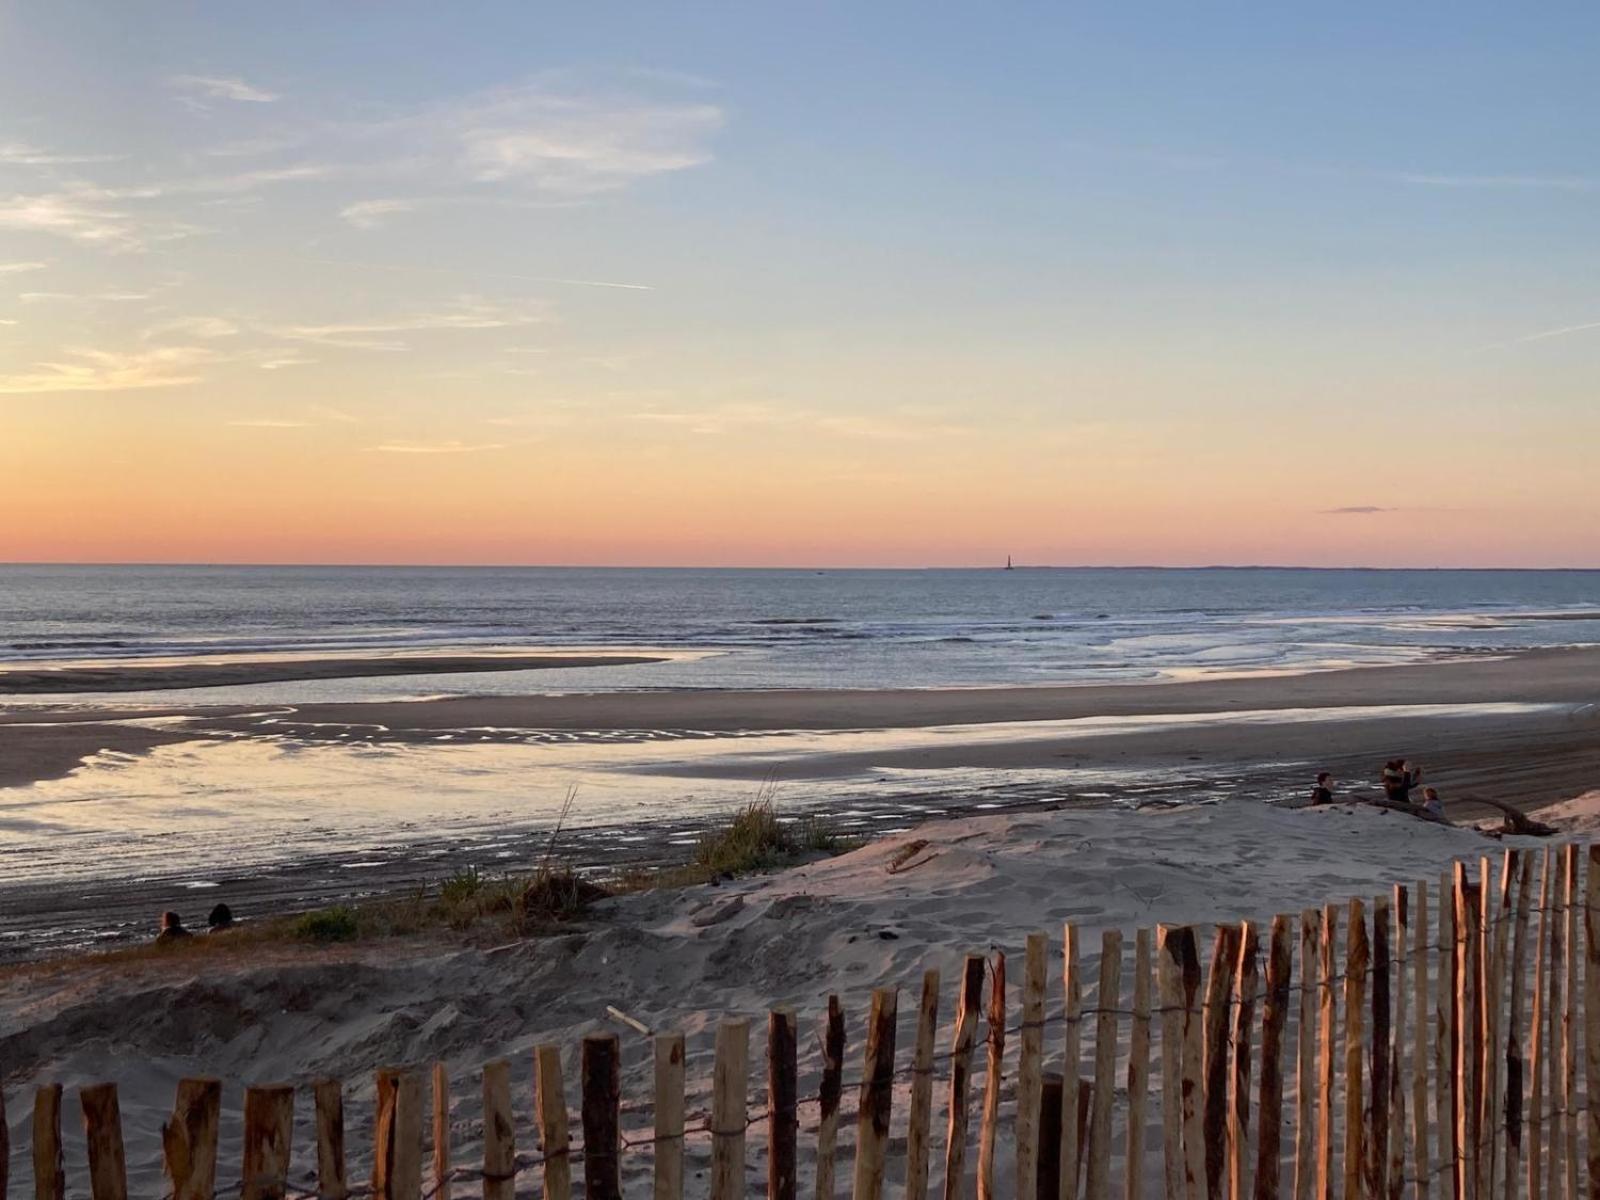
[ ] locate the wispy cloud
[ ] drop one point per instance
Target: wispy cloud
(86, 215)
(369, 214)
(451, 446)
(468, 313)
(1356, 510)
(1561, 331)
(86, 370)
(221, 87)
(311, 417)
(84, 297)
(191, 327)
(20, 154)
(17, 268)
(278, 362)
(574, 143)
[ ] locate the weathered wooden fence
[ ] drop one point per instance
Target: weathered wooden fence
(1425, 1043)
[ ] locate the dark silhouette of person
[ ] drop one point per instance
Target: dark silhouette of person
(172, 929)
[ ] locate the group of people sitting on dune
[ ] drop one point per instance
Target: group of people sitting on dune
(1400, 777)
(172, 927)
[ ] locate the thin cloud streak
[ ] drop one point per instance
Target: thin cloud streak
(447, 447)
(219, 87)
(110, 371)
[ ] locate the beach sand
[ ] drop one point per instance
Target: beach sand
(1567, 677)
(32, 679)
(681, 961)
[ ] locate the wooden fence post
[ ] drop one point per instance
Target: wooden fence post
(1193, 1058)
(441, 1128)
(1072, 1042)
(877, 1094)
(1377, 1135)
(1030, 1064)
(1537, 1064)
(1219, 987)
(189, 1139)
(49, 1171)
(1556, 1175)
(1569, 1036)
(328, 1102)
(1515, 1073)
(1591, 1010)
(1239, 1080)
(1421, 1166)
(668, 1146)
(1495, 931)
(1097, 1183)
(1138, 1067)
(1468, 1030)
(1357, 961)
(268, 1128)
(102, 1132)
(989, 1129)
(783, 1102)
(1269, 1106)
(600, 1088)
(1447, 1084)
(968, 1005)
(1328, 1002)
(1398, 1084)
(831, 1091)
(918, 1130)
(1305, 1088)
(550, 1107)
(1169, 996)
(499, 1133)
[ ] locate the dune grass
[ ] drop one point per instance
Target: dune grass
(473, 903)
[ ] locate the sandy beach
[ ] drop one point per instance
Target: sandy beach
(39, 743)
(287, 668)
(679, 960)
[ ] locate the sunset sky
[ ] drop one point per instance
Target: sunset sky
(850, 283)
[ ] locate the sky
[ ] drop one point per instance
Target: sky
(822, 284)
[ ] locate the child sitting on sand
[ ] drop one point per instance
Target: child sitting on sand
(1431, 804)
(1322, 790)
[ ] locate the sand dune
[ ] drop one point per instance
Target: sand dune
(681, 960)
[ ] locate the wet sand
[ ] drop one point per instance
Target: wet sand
(146, 677)
(46, 743)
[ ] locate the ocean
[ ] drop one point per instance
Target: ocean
(791, 628)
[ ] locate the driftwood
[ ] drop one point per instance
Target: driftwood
(1515, 822)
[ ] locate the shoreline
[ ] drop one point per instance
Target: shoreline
(100, 678)
(38, 744)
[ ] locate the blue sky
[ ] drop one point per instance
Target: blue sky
(1131, 262)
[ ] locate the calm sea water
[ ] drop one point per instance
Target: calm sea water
(788, 628)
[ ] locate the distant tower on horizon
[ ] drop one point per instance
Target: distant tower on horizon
(1009, 567)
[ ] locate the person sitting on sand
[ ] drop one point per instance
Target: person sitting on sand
(1393, 778)
(220, 920)
(172, 928)
(1431, 804)
(1322, 791)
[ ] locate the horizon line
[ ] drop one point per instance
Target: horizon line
(553, 566)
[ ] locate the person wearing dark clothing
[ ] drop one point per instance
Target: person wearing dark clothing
(1322, 791)
(172, 929)
(221, 919)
